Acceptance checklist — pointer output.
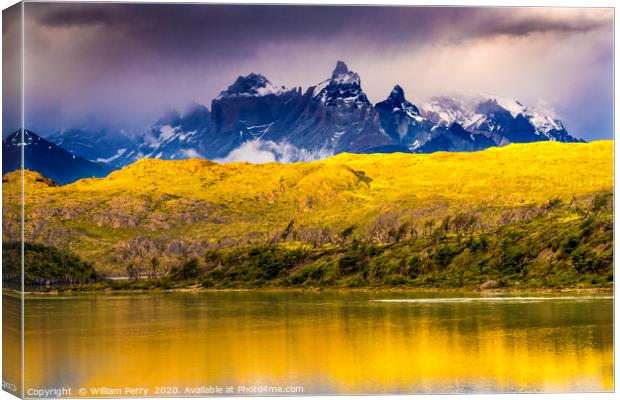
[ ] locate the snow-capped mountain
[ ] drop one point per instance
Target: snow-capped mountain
(173, 136)
(344, 87)
(503, 120)
(332, 117)
(402, 122)
(412, 132)
(48, 159)
(247, 110)
(257, 120)
(95, 145)
(329, 118)
(252, 85)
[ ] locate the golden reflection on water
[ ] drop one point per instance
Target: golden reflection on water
(11, 343)
(327, 343)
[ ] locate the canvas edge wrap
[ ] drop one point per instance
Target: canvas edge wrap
(13, 295)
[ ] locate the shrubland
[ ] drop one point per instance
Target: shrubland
(528, 215)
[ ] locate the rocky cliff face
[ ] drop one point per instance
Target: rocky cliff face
(246, 111)
(256, 120)
(412, 132)
(402, 121)
(334, 116)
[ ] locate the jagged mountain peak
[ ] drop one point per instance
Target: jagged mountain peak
(343, 76)
(252, 85)
(402, 121)
(343, 86)
(341, 69)
(29, 138)
(397, 94)
(331, 117)
(248, 82)
(396, 102)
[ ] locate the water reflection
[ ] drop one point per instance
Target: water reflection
(11, 342)
(326, 342)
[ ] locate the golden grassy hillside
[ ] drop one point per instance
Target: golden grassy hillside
(198, 203)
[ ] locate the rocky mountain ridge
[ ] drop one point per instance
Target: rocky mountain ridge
(254, 115)
(257, 121)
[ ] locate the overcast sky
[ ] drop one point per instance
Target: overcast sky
(122, 65)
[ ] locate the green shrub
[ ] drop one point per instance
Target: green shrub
(188, 270)
(44, 264)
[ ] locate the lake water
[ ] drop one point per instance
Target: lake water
(191, 343)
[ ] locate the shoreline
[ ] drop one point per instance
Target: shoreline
(481, 293)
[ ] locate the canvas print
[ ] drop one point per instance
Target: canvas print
(259, 200)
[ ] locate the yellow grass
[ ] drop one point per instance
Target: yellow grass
(348, 189)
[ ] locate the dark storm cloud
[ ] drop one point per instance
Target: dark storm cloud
(92, 62)
(196, 31)
(68, 15)
(11, 68)
(193, 22)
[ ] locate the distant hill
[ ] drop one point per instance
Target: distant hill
(174, 209)
(50, 160)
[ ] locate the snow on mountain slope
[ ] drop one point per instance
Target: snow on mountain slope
(99, 145)
(343, 87)
(259, 120)
(505, 120)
